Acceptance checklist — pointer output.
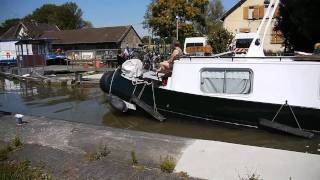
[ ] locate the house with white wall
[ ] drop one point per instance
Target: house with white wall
(246, 16)
(23, 30)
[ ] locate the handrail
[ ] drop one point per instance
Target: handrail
(295, 58)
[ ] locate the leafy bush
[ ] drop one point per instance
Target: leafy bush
(17, 142)
(4, 154)
(91, 156)
(22, 171)
(134, 160)
(167, 164)
(102, 152)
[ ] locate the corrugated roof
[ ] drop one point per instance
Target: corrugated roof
(88, 35)
(36, 28)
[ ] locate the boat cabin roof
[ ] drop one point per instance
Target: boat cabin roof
(267, 59)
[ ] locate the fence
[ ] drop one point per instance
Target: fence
(107, 56)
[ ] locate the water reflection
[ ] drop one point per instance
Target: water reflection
(15, 86)
(86, 105)
(89, 105)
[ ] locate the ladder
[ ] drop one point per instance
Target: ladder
(147, 108)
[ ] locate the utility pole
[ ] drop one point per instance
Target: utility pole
(177, 19)
(149, 43)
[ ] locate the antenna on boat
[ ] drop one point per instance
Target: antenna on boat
(256, 46)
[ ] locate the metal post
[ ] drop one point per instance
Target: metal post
(177, 18)
(149, 43)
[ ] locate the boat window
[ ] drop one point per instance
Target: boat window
(226, 81)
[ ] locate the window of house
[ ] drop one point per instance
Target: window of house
(226, 81)
(253, 12)
(250, 12)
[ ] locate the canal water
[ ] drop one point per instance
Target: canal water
(89, 105)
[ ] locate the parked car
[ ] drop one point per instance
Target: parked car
(57, 59)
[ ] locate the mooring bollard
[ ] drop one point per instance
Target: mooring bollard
(19, 119)
(78, 77)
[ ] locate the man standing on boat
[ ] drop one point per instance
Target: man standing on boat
(168, 64)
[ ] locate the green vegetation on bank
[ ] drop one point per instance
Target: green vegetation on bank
(167, 164)
(102, 152)
(13, 170)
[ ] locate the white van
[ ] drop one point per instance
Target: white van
(242, 42)
(194, 42)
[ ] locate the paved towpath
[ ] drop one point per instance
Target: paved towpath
(219, 160)
(61, 147)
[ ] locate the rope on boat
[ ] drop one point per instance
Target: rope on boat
(135, 82)
(294, 116)
(154, 99)
(134, 90)
(140, 94)
(114, 72)
(145, 83)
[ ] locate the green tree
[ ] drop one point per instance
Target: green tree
(145, 39)
(298, 22)
(8, 24)
(69, 16)
(219, 38)
(87, 24)
(211, 14)
(161, 17)
(44, 14)
(65, 16)
(196, 18)
(216, 10)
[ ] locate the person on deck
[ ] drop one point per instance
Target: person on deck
(167, 65)
(120, 58)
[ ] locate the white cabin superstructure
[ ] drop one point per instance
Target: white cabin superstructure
(273, 80)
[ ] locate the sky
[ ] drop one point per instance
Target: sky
(100, 13)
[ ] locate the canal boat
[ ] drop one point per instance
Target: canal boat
(253, 90)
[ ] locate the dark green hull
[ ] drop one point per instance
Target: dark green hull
(212, 108)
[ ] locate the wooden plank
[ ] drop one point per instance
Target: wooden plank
(284, 128)
(147, 108)
(261, 11)
(245, 12)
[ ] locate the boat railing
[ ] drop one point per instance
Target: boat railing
(313, 58)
